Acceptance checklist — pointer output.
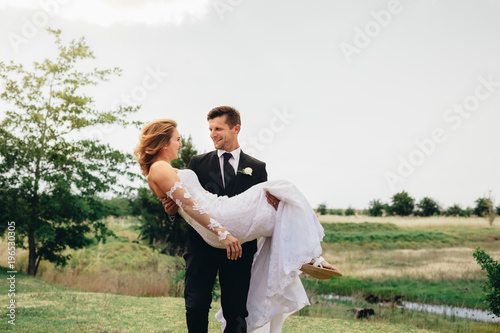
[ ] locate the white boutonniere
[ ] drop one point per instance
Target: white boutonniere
(246, 171)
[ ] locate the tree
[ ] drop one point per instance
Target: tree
(185, 153)
(117, 206)
(485, 207)
(388, 209)
(491, 214)
(481, 208)
(375, 208)
(49, 180)
(454, 210)
(492, 285)
(321, 208)
(427, 207)
(156, 227)
(402, 204)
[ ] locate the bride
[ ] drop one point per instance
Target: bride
(290, 235)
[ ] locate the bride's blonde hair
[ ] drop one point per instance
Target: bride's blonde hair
(155, 136)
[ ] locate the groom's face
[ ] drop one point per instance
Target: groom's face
(222, 135)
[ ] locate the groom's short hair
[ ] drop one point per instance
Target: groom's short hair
(233, 116)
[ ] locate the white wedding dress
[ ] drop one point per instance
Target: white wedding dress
(290, 237)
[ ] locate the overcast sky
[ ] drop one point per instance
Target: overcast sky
(350, 100)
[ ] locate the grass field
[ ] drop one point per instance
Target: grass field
(44, 307)
(423, 259)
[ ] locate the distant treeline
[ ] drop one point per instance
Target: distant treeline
(402, 204)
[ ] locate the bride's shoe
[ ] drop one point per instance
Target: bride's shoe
(316, 269)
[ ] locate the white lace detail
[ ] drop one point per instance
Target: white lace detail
(175, 187)
(223, 235)
(214, 224)
(197, 207)
(187, 195)
(178, 203)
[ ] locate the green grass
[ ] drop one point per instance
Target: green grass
(122, 267)
(415, 290)
(359, 227)
(44, 307)
(390, 236)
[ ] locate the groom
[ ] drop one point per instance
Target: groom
(221, 172)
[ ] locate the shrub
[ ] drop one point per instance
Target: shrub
(349, 211)
(388, 210)
(321, 208)
(338, 212)
(467, 212)
(492, 285)
(375, 208)
(402, 204)
(427, 207)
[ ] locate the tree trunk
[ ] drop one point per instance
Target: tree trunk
(32, 252)
(39, 258)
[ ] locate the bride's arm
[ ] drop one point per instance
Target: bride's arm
(165, 178)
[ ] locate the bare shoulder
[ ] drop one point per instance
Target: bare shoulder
(160, 169)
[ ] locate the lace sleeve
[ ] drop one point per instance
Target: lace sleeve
(183, 199)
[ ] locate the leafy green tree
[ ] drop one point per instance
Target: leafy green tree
(492, 285)
(454, 210)
(321, 208)
(156, 227)
(427, 207)
(117, 206)
(376, 208)
(402, 204)
(485, 207)
(498, 210)
(467, 212)
(481, 208)
(388, 209)
(48, 179)
(185, 153)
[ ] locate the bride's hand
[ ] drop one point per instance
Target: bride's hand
(232, 246)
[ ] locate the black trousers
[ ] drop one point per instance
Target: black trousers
(202, 264)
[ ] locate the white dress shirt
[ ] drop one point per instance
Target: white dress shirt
(234, 161)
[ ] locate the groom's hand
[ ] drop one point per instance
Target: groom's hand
(170, 206)
(273, 201)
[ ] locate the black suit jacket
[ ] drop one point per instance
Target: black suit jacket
(207, 168)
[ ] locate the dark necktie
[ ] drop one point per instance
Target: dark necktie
(228, 171)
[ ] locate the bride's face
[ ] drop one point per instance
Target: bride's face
(223, 137)
(173, 146)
